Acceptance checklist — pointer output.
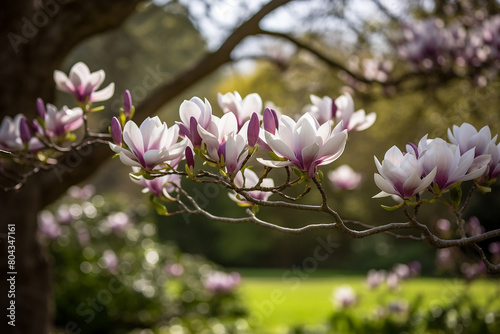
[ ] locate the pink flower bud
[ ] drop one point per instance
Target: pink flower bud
(25, 130)
(127, 103)
(116, 131)
(270, 120)
(40, 105)
(189, 157)
(253, 130)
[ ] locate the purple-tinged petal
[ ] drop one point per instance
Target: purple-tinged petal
(189, 157)
(270, 120)
(253, 130)
(40, 106)
(127, 103)
(116, 131)
(25, 130)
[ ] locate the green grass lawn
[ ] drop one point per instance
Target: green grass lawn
(280, 297)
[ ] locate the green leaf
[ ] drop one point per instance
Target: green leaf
(96, 109)
(275, 157)
(255, 209)
(392, 208)
(456, 195)
(320, 176)
(298, 172)
(160, 208)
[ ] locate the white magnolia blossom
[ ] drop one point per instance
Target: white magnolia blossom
(241, 108)
(58, 122)
(216, 133)
(451, 166)
(353, 121)
(83, 84)
(249, 179)
(194, 113)
(344, 296)
(323, 109)
(401, 175)
(345, 178)
(305, 144)
(150, 146)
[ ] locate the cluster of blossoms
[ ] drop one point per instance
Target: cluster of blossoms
(429, 44)
(437, 165)
(400, 272)
(54, 127)
(228, 142)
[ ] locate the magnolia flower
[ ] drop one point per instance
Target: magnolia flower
(150, 146)
(219, 282)
(324, 109)
(375, 278)
(216, 133)
(194, 113)
(401, 175)
(249, 179)
(493, 168)
(353, 121)
(48, 225)
(344, 297)
(109, 260)
(83, 84)
(305, 144)
(11, 139)
(467, 137)
(344, 178)
(451, 167)
(117, 221)
(173, 269)
(57, 123)
(234, 152)
(160, 185)
(241, 108)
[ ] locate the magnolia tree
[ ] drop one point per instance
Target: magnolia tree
(204, 148)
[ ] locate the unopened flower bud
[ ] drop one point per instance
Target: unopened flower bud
(127, 103)
(116, 131)
(253, 130)
(25, 130)
(40, 105)
(270, 120)
(189, 157)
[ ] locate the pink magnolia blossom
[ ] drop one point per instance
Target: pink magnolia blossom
(57, 123)
(451, 166)
(117, 221)
(467, 137)
(323, 109)
(353, 121)
(150, 146)
(344, 297)
(216, 133)
(11, 139)
(305, 144)
(159, 186)
(83, 84)
(220, 283)
(241, 108)
(194, 113)
(344, 178)
(401, 175)
(250, 180)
